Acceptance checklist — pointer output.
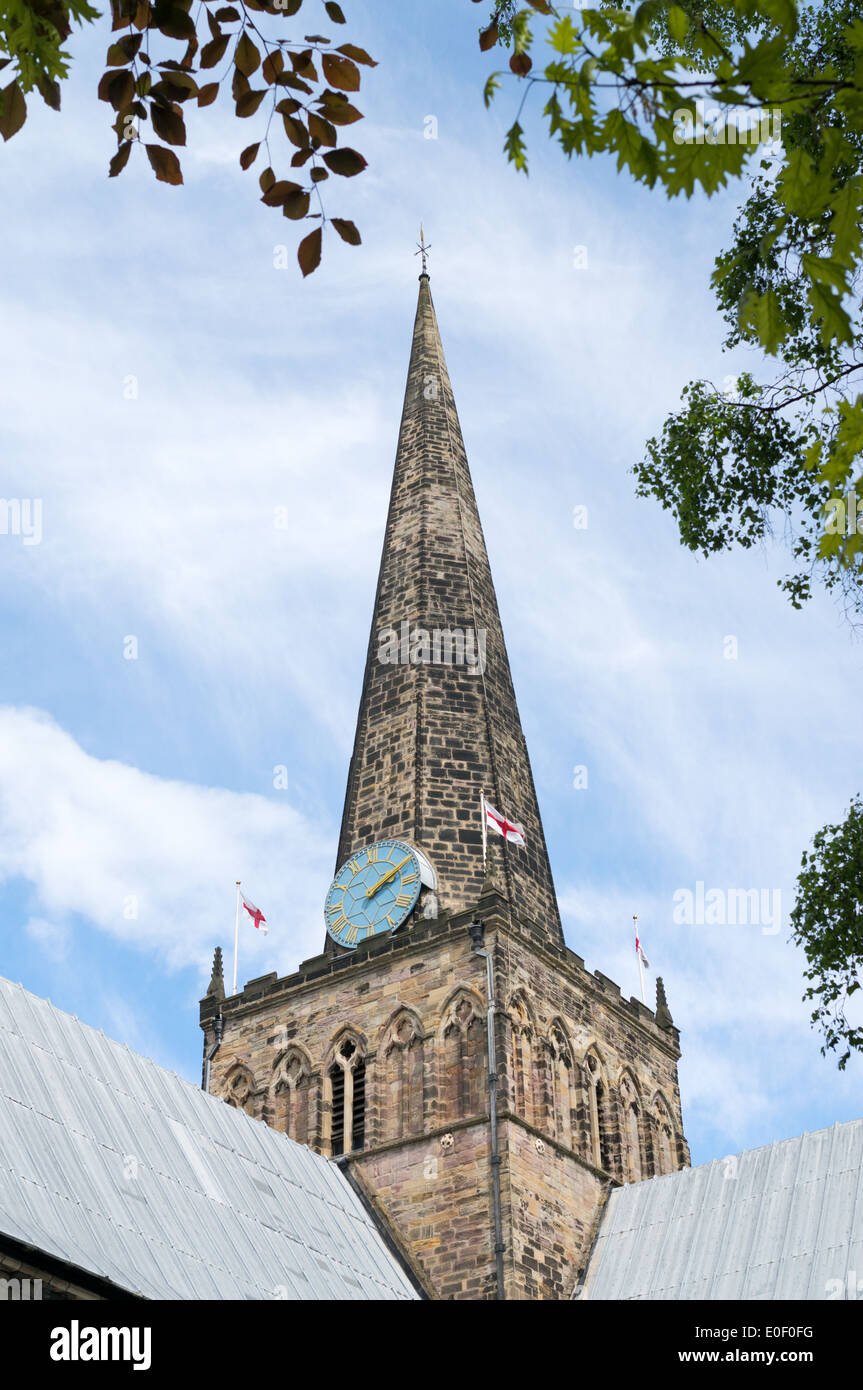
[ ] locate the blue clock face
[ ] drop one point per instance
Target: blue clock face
(373, 892)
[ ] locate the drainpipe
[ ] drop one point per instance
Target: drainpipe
(477, 935)
(218, 1030)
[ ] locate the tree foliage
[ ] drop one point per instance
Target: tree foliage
(828, 924)
(163, 56)
(675, 92)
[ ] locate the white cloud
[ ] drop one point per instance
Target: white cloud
(153, 862)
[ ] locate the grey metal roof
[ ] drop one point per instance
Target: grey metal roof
(126, 1171)
(785, 1221)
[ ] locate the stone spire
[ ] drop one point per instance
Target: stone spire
(216, 987)
(438, 722)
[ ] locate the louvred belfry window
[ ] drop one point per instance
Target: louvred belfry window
(347, 1078)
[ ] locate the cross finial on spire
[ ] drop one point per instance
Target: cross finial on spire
(423, 249)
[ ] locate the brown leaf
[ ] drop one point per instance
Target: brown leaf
(49, 90)
(123, 51)
(318, 175)
(248, 103)
(359, 55)
(309, 252)
(274, 63)
(347, 231)
(120, 159)
(247, 59)
(276, 194)
(334, 12)
(287, 106)
(296, 205)
(322, 130)
(339, 110)
(296, 132)
(207, 95)
(266, 180)
(168, 124)
(521, 64)
(214, 51)
(227, 14)
(176, 24)
(341, 72)
(165, 164)
(488, 38)
(117, 87)
(301, 157)
(345, 161)
(249, 155)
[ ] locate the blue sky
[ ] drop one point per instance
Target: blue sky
(134, 792)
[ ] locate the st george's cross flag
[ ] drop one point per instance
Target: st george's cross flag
(640, 953)
(509, 829)
(256, 915)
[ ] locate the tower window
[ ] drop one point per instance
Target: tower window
(347, 1078)
(337, 1081)
(358, 1128)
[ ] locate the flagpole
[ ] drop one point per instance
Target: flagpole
(638, 953)
(484, 832)
(237, 937)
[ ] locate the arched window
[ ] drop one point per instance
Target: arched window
(631, 1117)
(404, 1077)
(594, 1107)
(560, 1084)
(522, 1058)
(663, 1138)
(463, 1052)
(240, 1090)
(292, 1101)
(346, 1077)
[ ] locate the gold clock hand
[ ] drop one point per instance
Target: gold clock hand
(370, 892)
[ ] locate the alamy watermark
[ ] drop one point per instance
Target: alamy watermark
(419, 646)
(21, 516)
(729, 907)
(841, 517)
(735, 127)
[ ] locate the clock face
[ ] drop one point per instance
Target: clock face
(373, 892)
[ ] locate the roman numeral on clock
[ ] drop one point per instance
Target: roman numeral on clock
(403, 900)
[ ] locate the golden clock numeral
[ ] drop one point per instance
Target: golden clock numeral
(351, 936)
(373, 855)
(355, 868)
(409, 878)
(403, 900)
(341, 922)
(390, 920)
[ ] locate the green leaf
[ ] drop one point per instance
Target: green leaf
(13, 110)
(678, 23)
(762, 313)
(491, 86)
(515, 148)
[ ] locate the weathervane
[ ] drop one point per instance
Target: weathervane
(423, 249)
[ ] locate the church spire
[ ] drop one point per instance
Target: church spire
(438, 722)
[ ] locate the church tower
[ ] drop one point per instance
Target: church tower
(483, 1090)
